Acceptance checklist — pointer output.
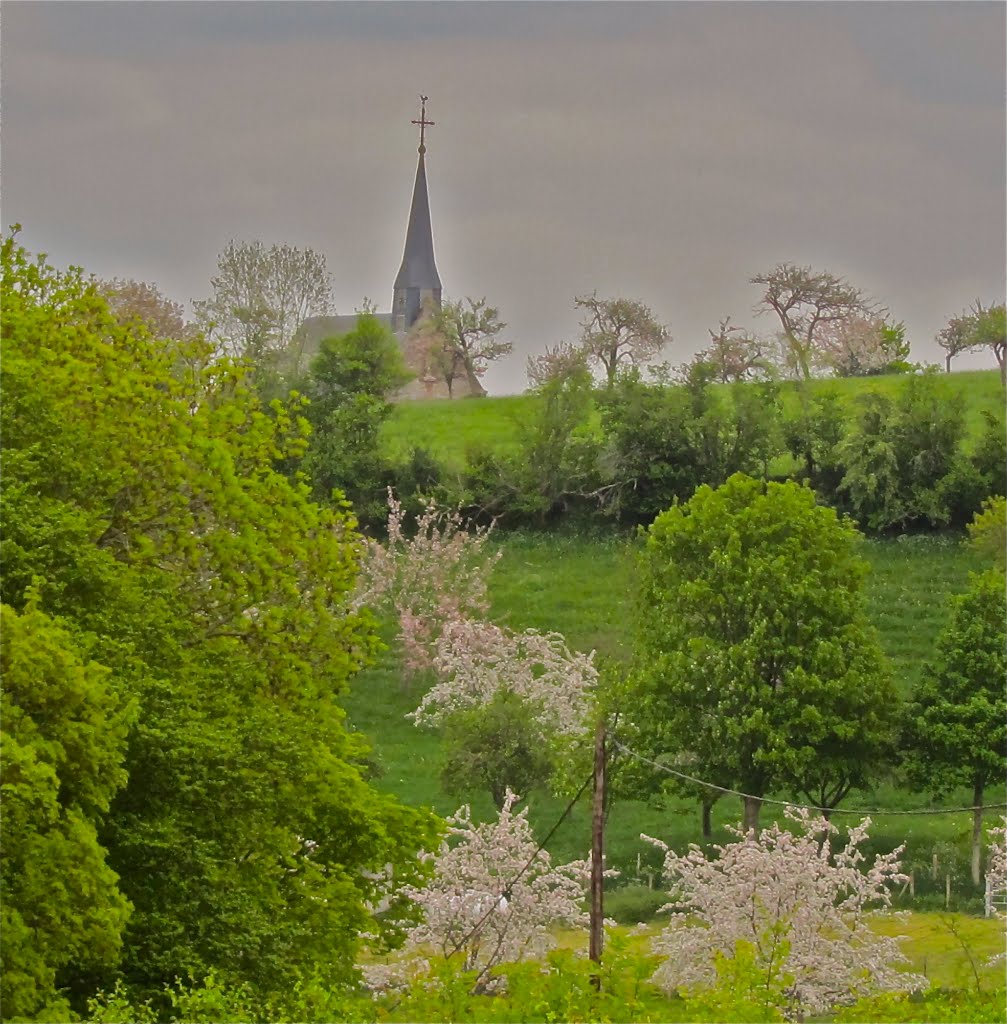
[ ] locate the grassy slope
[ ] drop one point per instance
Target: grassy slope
(582, 588)
(448, 428)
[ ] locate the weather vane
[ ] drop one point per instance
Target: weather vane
(423, 122)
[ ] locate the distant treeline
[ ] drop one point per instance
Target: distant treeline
(916, 456)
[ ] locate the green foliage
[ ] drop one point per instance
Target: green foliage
(557, 461)
(812, 434)
(366, 361)
(901, 457)
(757, 663)
(64, 737)
(349, 385)
(495, 747)
(139, 489)
(449, 428)
(634, 904)
(957, 721)
(664, 442)
(211, 1001)
(939, 1006)
(988, 531)
(896, 349)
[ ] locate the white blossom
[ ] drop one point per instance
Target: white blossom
(805, 910)
(474, 660)
(494, 898)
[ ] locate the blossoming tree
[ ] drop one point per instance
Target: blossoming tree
(804, 909)
(435, 575)
(493, 898)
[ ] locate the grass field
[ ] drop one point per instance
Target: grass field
(949, 949)
(582, 587)
(449, 428)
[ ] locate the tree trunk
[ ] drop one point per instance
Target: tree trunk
(947, 363)
(977, 833)
(707, 818)
(597, 932)
(752, 807)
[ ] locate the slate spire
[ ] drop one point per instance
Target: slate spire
(417, 280)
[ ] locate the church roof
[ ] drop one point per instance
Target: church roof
(418, 269)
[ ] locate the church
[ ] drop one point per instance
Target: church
(416, 292)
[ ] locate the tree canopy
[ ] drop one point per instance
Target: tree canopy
(809, 304)
(956, 724)
(463, 339)
(143, 509)
(757, 666)
(977, 328)
(260, 298)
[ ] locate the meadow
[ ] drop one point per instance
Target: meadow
(582, 586)
(449, 429)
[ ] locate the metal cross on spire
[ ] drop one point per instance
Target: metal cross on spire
(423, 122)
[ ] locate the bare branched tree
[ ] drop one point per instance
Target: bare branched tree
(465, 340)
(735, 354)
(139, 301)
(617, 331)
(976, 328)
(807, 303)
(260, 298)
(556, 363)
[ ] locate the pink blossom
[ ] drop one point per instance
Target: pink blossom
(436, 575)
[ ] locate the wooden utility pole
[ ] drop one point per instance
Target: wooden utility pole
(598, 850)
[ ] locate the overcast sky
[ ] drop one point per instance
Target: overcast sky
(661, 151)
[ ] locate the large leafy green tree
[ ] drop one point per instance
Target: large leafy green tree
(140, 499)
(757, 665)
(64, 737)
(956, 724)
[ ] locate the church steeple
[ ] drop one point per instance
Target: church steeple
(417, 280)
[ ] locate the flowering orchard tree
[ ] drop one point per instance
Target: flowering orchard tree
(476, 660)
(434, 576)
(996, 876)
(996, 864)
(804, 910)
(476, 905)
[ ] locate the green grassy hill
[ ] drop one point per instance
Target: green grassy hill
(449, 428)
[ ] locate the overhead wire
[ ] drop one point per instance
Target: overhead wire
(505, 892)
(874, 812)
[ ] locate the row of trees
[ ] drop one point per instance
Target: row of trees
(826, 326)
(261, 295)
(892, 462)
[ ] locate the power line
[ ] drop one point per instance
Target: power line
(790, 803)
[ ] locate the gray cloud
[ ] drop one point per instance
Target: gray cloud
(664, 151)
